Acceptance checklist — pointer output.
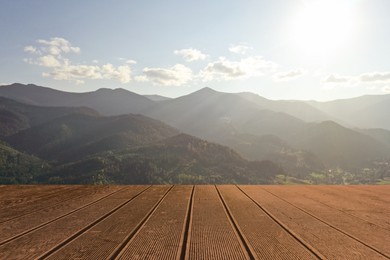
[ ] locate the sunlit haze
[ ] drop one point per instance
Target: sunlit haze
(283, 49)
(322, 28)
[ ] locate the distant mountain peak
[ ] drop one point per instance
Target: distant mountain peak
(110, 90)
(207, 89)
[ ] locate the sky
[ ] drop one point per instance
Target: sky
(279, 49)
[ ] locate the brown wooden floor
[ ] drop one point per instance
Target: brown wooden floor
(194, 222)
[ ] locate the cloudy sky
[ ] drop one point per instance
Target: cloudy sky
(280, 49)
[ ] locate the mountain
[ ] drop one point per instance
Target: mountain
(381, 135)
(257, 128)
(124, 149)
(77, 135)
(215, 115)
(226, 118)
(17, 167)
(157, 97)
(298, 109)
(105, 101)
(15, 116)
(181, 159)
(11, 122)
(369, 111)
(361, 112)
(224, 106)
(296, 162)
(338, 146)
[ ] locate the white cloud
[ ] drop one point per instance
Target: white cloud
(240, 49)
(77, 73)
(174, 76)
(130, 62)
(190, 55)
(120, 73)
(51, 54)
(364, 78)
(57, 45)
(289, 75)
(31, 49)
(336, 79)
(375, 77)
(127, 61)
(49, 61)
(224, 69)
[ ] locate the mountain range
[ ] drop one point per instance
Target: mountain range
(78, 145)
(300, 136)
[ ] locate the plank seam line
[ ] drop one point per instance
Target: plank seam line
(346, 213)
(57, 218)
(89, 226)
(188, 243)
(306, 245)
(39, 209)
(120, 249)
(244, 242)
(334, 227)
(181, 254)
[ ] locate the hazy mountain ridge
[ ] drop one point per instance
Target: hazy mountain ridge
(381, 135)
(105, 101)
(16, 116)
(212, 115)
(340, 146)
(126, 149)
(369, 111)
(223, 118)
(296, 162)
(362, 112)
(298, 109)
(157, 97)
(258, 128)
(73, 136)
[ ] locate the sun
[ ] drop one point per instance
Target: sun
(323, 27)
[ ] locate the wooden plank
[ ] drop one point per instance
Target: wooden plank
(100, 241)
(328, 241)
(17, 226)
(366, 232)
(268, 239)
(161, 235)
(211, 234)
(36, 243)
(368, 209)
(20, 195)
(39, 202)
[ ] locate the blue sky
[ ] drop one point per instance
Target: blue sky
(280, 49)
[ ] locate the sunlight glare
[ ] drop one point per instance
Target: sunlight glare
(323, 27)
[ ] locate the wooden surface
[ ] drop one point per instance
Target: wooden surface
(194, 222)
